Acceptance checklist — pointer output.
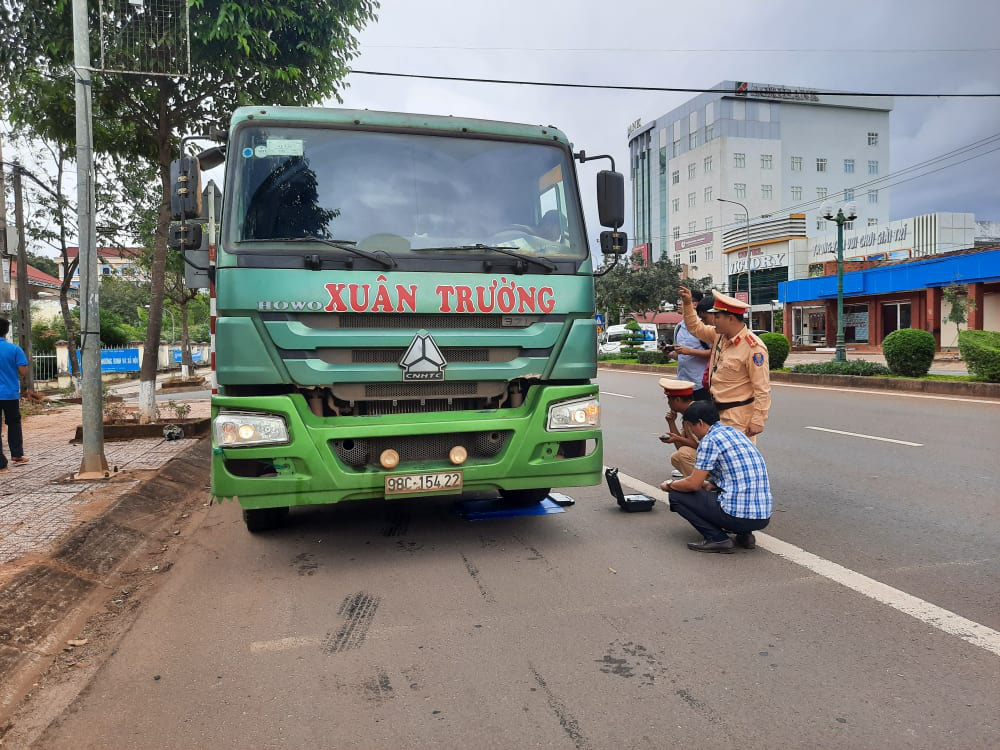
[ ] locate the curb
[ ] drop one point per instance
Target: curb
(36, 602)
(907, 385)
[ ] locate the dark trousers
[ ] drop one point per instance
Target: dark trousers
(11, 412)
(701, 509)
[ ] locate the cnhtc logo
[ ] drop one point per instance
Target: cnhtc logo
(423, 359)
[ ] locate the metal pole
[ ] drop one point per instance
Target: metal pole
(23, 300)
(749, 278)
(94, 465)
(4, 250)
(840, 354)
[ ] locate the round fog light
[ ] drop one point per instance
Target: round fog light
(389, 459)
(458, 455)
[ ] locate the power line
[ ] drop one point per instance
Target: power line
(686, 50)
(678, 89)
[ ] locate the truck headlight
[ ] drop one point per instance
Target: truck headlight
(582, 414)
(238, 429)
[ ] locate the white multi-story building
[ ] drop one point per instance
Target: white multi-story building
(777, 150)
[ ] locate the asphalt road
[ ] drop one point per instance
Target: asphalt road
(401, 625)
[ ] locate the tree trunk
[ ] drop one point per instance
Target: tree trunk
(186, 360)
(151, 349)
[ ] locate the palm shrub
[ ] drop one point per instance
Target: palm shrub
(981, 352)
(777, 349)
(909, 351)
(632, 340)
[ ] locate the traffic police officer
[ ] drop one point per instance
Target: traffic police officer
(680, 395)
(738, 376)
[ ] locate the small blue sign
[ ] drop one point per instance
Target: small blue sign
(195, 355)
(599, 318)
(115, 360)
(247, 152)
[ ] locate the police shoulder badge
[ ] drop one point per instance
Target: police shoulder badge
(758, 359)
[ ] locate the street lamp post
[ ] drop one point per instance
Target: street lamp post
(840, 218)
(749, 278)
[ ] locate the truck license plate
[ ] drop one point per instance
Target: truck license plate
(443, 481)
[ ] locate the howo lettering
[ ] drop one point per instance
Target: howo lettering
(404, 307)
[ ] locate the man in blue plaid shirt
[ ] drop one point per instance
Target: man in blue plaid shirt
(728, 492)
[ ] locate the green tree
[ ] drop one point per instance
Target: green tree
(959, 304)
(44, 264)
(637, 289)
(294, 52)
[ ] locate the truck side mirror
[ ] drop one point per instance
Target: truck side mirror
(185, 188)
(611, 198)
(614, 243)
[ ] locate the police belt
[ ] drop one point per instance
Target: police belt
(732, 404)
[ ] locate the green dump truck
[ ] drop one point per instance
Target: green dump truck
(404, 306)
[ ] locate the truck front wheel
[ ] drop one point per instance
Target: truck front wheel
(524, 497)
(264, 519)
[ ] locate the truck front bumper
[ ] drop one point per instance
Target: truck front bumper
(310, 469)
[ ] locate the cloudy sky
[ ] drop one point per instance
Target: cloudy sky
(630, 42)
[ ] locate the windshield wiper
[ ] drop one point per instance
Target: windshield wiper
(502, 249)
(348, 245)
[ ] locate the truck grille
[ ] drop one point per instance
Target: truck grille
(365, 452)
(392, 356)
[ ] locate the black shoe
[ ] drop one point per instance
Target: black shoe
(725, 546)
(746, 541)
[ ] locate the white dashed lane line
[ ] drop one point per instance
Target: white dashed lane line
(612, 393)
(972, 632)
(866, 437)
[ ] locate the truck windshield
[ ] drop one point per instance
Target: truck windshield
(397, 192)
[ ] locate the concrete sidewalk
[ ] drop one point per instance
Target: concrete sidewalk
(39, 503)
(948, 364)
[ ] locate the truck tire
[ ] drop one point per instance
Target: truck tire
(264, 519)
(524, 497)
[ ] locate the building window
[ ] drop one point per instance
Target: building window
(675, 205)
(675, 176)
(692, 200)
(848, 166)
(741, 189)
(709, 254)
(848, 225)
(708, 222)
(739, 219)
(872, 138)
(766, 192)
(677, 232)
(691, 171)
(821, 193)
(693, 140)
(663, 137)
(708, 195)
(820, 165)
(677, 259)
(873, 222)
(820, 224)
(739, 160)
(709, 133)
(692, 227)
(849, 194)
(872, 167)
(873, 196)
(796, 163)
(693, 256)
(677, 148)
(765, 161)
(796, 192)
(707, 164)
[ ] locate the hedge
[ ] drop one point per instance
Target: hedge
(777, 349)
(909, 351)
(653, 358)
(981, 352)
(850, 367)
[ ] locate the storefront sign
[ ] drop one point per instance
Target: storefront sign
(743, 88)
(859, 322)
(758, 262)
(872, 241)
(634, 126)
(697, 240)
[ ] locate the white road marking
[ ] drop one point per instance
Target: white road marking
(612, 393)
(931, 614)
(866, 437)
(897, 394)
(282, 644)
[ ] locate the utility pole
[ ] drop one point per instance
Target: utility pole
(94, 464)
(4, 250)
(23, 301)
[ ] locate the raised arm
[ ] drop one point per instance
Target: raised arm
(698, 329)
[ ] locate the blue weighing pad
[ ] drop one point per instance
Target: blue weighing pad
(481, 510)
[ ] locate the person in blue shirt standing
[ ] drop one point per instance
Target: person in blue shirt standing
(692, 355)
(728, 491)
(13, 364)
